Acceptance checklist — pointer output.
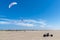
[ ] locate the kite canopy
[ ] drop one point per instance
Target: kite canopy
(12, 4)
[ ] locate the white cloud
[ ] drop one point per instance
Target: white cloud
(25, 22)
(3, 22)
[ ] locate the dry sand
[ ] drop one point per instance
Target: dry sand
(28, 35)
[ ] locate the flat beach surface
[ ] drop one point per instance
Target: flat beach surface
(29, 35)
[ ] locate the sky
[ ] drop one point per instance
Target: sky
(30, 14)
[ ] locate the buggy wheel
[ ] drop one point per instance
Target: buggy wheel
(44, 35)
(51, 35)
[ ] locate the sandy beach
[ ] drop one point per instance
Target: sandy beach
(29, 35)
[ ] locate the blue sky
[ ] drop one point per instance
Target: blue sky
(30, 14)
